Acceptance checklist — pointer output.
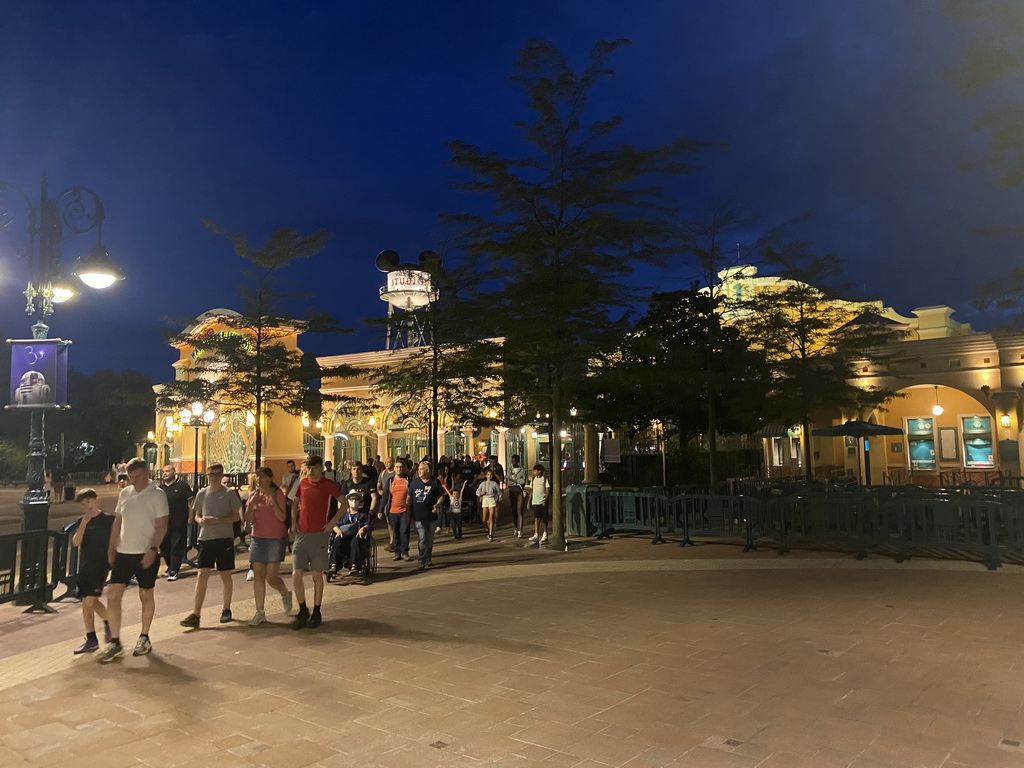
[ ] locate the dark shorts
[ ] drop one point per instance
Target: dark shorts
(540, 512)
(219, 553)
(515, 491)
(91, 580)
(127, 566)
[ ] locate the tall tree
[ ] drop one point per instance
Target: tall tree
(571, 219)
(813, 340)
(110, 410)
(676, 358)
(991, 67)
(992, 64)
(247, 367)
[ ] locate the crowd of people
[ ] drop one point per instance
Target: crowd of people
(326, 521)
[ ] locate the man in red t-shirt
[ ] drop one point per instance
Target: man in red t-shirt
(312, 522)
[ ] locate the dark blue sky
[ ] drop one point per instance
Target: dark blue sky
(262, 115)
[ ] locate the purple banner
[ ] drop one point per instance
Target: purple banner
(39, 373)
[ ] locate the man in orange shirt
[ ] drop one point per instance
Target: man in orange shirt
(395, 504)
(312, 521)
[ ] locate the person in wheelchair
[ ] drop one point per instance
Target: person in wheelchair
(351, 538)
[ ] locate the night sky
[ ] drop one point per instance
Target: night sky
(262, 115)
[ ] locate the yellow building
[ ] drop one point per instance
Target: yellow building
(228, 437)
(342, 433)
(959, 404)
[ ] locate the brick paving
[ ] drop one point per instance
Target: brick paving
(615, 654)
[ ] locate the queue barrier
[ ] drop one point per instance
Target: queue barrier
(986, 527)
(615, 511)
(32, 564)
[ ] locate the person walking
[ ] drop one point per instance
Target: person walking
(425, 497)
(395, 506)
(517, 478)
(140, 523)
(382, 477)
(92, 537)
(540, 488)
(179, 495)
(489, 492)
(313, 524)
(265, 512)
(216, 509)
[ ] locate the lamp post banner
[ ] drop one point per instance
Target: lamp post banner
(39, 373)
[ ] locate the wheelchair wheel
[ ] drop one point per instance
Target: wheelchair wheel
(370, 566)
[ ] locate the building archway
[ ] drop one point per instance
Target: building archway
(951, 437)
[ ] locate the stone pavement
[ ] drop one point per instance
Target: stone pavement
(614, 654)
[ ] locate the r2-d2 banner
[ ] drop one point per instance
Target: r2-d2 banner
(39, 373)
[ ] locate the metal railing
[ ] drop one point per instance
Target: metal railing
(32, 564)
(982, 524)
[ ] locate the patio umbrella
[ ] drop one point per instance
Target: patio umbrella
(859, 429)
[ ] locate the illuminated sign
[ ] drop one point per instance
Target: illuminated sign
(39, 373)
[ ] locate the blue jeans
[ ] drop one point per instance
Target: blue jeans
(425, 531)
(400, 529)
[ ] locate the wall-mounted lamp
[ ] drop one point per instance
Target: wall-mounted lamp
(937, 409)
(1004, 421)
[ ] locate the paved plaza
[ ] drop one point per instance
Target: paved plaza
(615, 654)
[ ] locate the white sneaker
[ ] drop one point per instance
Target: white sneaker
(544, 539)
(438, 529)
(519, 534)
(286, 602)
(258, 618)
(250, 575)
(535, 538)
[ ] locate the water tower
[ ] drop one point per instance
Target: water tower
(408, 291)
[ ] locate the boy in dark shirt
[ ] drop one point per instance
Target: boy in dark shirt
(93, 540)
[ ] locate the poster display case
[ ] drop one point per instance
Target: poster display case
(921, 443)
(978, 446)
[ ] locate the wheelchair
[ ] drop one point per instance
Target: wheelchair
(344, 563)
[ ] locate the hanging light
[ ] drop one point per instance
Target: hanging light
(937, 409)
(97, 269)
(61, 290)
(573, 411)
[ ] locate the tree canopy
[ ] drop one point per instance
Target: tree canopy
(570, 220)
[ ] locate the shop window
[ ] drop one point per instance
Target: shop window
(977, 433)
(921, 443)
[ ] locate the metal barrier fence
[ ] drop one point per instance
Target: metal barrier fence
(984, 526)
(31, 566)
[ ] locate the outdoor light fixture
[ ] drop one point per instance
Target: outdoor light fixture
(1004, 421)
(373, 420)
(305, 419)
(492, 414)
(937, 409)
(573, 411)
(97, 269)
(61, 290)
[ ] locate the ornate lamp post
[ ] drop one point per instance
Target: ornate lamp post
(196, 418)
(74, 211)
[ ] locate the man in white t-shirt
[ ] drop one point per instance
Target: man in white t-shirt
(140, 523)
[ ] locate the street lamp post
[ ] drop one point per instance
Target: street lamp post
(197, 418)
(74, 211)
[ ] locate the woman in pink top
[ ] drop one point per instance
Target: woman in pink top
(265, 511)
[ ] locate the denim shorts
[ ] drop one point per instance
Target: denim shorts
(266, 550)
